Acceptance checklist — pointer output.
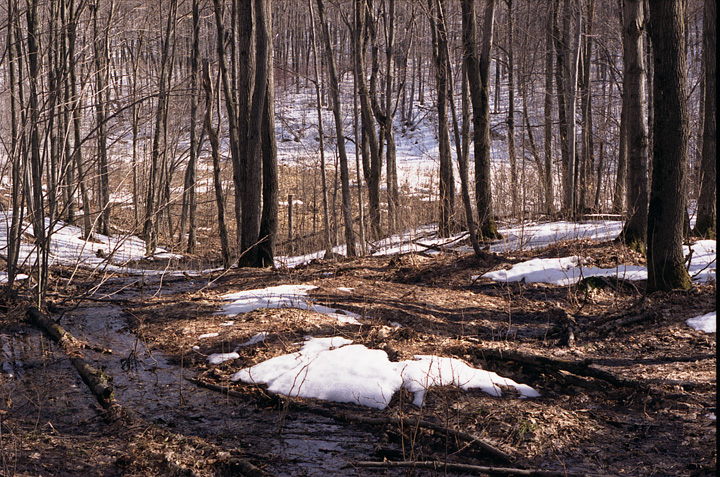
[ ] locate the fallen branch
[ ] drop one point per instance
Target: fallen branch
(97, 381)
(447, 466)
(581, 368)
(375, 421)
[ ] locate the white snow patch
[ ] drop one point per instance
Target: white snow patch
(569, 270)
(208, 335)
(219, 358)
(282, 296)
(333, 369)
(706, 322)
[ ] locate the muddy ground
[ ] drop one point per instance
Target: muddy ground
(627, 387)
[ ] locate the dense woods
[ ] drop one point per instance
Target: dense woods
(158, 119)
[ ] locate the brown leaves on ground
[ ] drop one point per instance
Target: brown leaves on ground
(428, 304)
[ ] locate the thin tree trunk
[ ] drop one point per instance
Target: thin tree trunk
(635, 231)
(150, 227)
(706, 222)
(336, 105)
(321, 133)
(190, 188)
(215, 147)
(514, 186)
(548, 178)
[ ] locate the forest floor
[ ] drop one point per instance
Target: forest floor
(627, 388)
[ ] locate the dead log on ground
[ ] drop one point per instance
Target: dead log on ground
(581, 368)
(97, 381)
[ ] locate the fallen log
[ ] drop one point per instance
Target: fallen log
(67, 341)
(97, 381)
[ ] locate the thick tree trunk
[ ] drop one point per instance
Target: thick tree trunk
(668, 196)
(269, 217)
(372, 160)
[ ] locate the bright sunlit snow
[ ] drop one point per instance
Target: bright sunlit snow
(283, 296)
(706, 323)
(569, 270)
(333, 369)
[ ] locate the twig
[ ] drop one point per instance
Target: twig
(447, 466)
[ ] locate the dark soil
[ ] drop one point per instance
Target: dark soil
(627, 387)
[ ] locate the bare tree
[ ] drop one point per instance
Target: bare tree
(635, 231)
(340, 136)
(706, 222)
(478, 66)
(666, 268)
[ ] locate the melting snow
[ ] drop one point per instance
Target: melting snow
(706, 323)
(282, 296)
(334, 369)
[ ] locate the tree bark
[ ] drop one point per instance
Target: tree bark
(215, 147)
(342, 152)
(705, 225)
(372, 161)
(447, 181)
(269, 217)
(668, 195)
(634, 233)
(477, 70)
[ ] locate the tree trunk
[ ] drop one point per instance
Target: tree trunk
(189, 187)
(635, 231)
(514, 185)
(477, 69)
(705, 224)
(372, 161)
(336, 106)
(548, 178)
(150, 226)
(215, 147)
(321, 133)
(38, 206)
(668, 195)
(393, 196)
(269, 217)
(101, 66)
(439, 49)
